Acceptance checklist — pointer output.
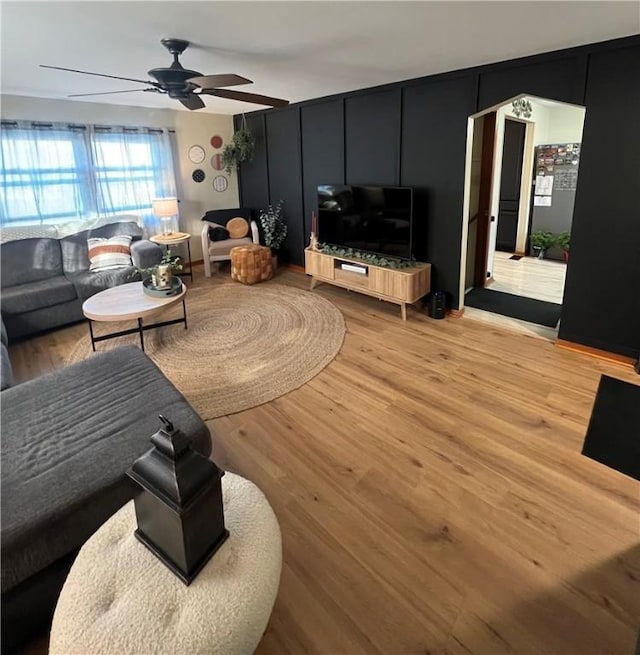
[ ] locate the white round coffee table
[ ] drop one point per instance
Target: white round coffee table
(129, 302)
(119, 598)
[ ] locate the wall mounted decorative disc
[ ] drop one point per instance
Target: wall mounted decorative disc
(216, 141)
(220, 183)
(196, 154)
(198, 175)
(216, 162)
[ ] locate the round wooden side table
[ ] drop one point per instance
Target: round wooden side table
(172, 239)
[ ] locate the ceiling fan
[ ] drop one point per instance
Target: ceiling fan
(185, 85)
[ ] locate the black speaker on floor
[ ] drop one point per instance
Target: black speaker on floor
(437, 304)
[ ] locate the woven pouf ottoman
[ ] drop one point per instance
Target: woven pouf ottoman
(251, 264)
(119, 598)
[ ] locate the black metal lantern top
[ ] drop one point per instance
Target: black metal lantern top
(179, 508)
(172, 470)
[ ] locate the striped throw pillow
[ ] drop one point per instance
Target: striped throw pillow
(106, 254)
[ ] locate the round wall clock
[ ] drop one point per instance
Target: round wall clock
(196, 154)
(216, 162)
(220, 183)
(198, 175)
(216, 141)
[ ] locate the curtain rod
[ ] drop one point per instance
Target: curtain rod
(99, 128)
(124, 128)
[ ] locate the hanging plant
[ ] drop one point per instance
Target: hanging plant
(240, 149)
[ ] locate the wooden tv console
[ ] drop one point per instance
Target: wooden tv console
(401, 286)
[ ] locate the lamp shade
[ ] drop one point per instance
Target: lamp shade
(165, 206)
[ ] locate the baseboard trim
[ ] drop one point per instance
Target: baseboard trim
(293, 267)
(596, 352)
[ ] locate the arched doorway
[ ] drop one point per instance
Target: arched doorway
(521, 172)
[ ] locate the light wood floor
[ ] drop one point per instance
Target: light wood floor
(531, 277)
(431, 492)
(542, 279)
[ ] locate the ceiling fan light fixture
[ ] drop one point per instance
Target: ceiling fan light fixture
(183, 84)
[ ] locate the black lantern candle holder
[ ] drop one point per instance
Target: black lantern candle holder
(179, 509)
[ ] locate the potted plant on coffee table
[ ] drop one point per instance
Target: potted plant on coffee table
(541, 241)
(563, 240)
(162, 273)
(274, 229)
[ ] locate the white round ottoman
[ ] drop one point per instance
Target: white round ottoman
(119, 598)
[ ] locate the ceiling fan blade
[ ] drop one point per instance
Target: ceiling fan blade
(108, 93)
(192, 101)
(246, 97)
(215, 81)
(113, 77)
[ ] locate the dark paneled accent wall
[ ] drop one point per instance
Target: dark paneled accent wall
(554, 78)
(434, 135)
(254, 180)
(322, 151)
(285, 176)
(413, 133)
(602, 293)
(372, 138)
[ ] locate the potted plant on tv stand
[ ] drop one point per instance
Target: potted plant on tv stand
(540, 242)
(274, 229)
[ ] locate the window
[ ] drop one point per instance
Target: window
(56, 173)
(44, 176)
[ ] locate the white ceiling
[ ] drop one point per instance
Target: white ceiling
(293, 50)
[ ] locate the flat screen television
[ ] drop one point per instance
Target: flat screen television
(375, 219)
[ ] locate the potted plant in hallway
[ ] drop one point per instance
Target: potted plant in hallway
(563, 241)
(274, 229)
(540, 242)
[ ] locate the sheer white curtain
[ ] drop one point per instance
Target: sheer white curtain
(63, 175)
(132, 167)
(44, 173)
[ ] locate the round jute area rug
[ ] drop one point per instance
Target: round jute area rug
(244, 346)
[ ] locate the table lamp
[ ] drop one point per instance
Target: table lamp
(165, 209)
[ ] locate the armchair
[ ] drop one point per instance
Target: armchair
(219, 251)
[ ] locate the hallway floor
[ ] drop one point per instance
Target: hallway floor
(542, 279)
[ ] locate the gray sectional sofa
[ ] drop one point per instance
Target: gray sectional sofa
(44, 280)
(67, 440)
(6, 374)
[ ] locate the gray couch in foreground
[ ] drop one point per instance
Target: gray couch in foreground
(45, 280)
(67, 440)
(6, 374)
